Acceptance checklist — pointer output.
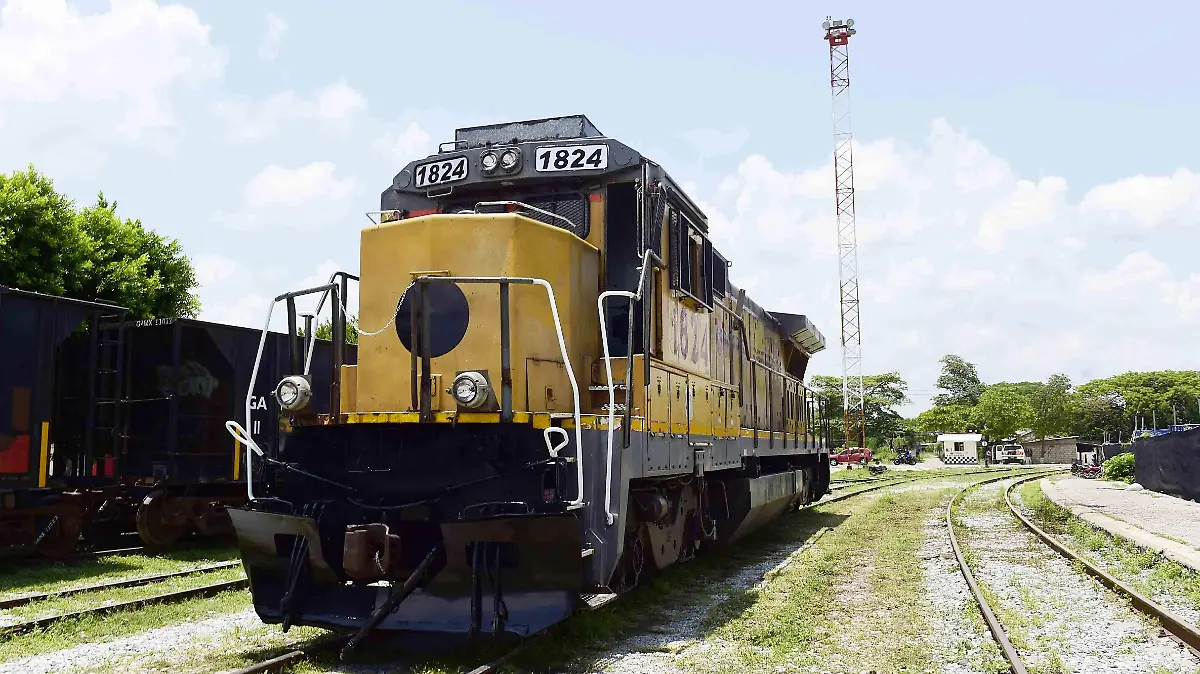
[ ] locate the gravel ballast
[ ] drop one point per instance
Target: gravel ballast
(1055, 615)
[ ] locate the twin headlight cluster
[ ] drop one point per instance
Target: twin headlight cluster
(506, 159)
(470, 390)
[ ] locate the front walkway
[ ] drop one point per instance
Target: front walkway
(1152, 520)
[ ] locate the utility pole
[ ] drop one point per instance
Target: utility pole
(837, 34)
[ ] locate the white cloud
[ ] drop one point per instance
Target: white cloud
(1149, 201)
(960, 254)
(227, 301)
(334, 106)
(127, 59)
(268, 49)
(1137, 271)
(277, 186)
(1030, 205)
(302, 198)
(1142, 280)
(405, 145)
(213, 268)
(959, 278)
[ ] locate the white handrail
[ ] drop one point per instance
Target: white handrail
(609, 515)
(237, 432)
(562, 345)
(247, 440)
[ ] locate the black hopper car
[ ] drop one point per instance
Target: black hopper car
(110, 426)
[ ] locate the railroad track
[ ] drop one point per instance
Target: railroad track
(1174, 626)
(333, 644)
(168, 597)
(112, 585)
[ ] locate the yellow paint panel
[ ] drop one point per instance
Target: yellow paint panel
(237, 460)
(702, 401)
(349, 389)
(677, 387)
(548, 387)
(45, 454)
(489, 245)
(732, 414)
(719, 405)
(660, 402)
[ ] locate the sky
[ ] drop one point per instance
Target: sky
(1027, 173)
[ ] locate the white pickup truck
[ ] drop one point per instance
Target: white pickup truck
(1009, 454)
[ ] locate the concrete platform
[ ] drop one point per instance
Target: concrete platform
(1152, 520)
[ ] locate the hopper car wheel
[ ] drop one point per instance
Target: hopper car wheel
(154, 523)
(61, 539)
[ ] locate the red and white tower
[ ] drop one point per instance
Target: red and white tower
(837, 34)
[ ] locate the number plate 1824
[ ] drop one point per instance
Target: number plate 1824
(440, 172)
(571, 158)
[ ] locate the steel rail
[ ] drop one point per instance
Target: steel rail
(1171, 622)
(181, 595)
(1009, 651)
(280, 662)
(928, 475)
(131, 582)
(332, 645)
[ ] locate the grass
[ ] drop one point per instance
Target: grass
(94, 629)
(681, 588)
(88, 600)
(1148, 571)
(22, 579)
(235, 649)
(857, 599)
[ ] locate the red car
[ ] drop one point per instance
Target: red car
(859, 455)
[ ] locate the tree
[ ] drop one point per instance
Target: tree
(47, 245)
(325, 330)
(40, 241)
(881, 393)
(1051, 404)
(960, 381)
(1112, 404)
(1001, 412)
(945, 419)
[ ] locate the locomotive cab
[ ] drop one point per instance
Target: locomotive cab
(557, 392)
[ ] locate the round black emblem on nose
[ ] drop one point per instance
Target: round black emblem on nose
(446, 307)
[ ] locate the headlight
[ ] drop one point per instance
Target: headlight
(293, 393)
(508, 160)
(489, 161)
(470, 389)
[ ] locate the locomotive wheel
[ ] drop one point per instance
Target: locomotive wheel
(63, 536)
(153, 522)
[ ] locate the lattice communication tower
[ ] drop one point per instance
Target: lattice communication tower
(837, 34)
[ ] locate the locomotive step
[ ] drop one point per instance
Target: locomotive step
(591, 602)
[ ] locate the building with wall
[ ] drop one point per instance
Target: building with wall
(959, 448)
(1049, 450)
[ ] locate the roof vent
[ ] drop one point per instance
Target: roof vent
(553, 128)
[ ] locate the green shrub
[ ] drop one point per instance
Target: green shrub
(1120, 467)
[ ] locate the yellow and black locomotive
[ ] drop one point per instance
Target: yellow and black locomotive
(558, 391)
